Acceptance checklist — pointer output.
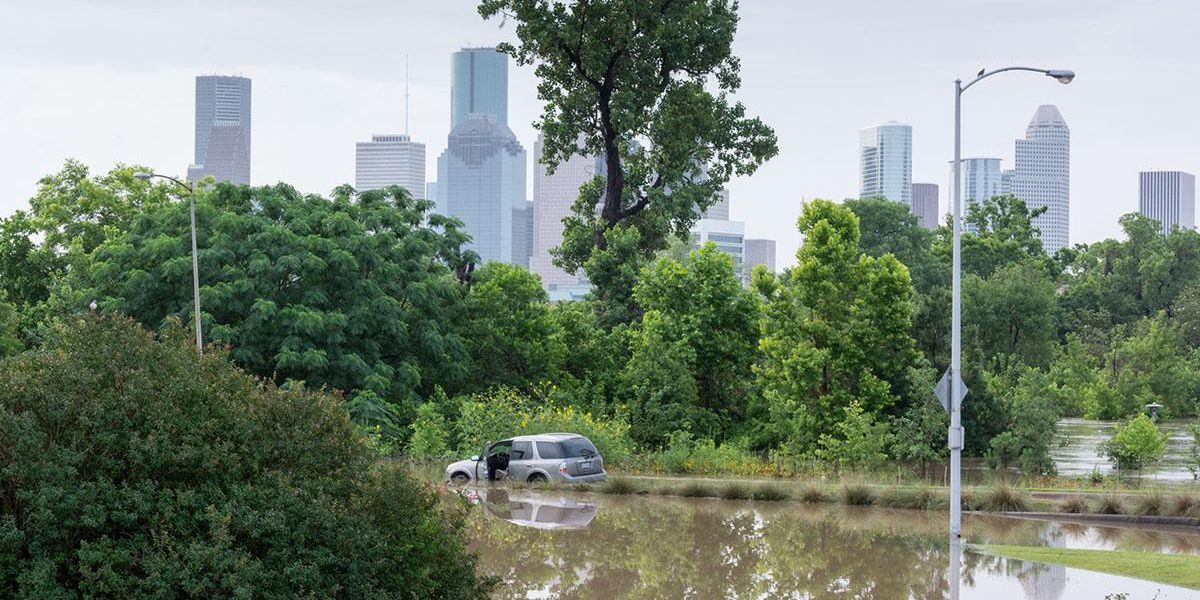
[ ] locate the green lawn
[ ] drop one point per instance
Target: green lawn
(1173, 569)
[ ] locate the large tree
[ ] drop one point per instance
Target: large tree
(646, 86)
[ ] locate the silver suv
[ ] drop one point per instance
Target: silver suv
(565, 457)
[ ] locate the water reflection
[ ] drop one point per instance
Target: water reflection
(652, 547)
(1079, 453)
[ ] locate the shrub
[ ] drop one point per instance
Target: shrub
(860, 442)
(1185, 506)
(1149, 504)
(769, 493)
(1110, 504)
(685, 455)
(1004, 498)
(1076, 504)
(429, 434)
(136, 468)
(1135, 444)
(857, 494)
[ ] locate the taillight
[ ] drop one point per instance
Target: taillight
(562, 468)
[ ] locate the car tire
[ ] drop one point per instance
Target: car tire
(460, 478)
(537, 478)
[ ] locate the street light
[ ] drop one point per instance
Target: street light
(955, 436)
(191, 188)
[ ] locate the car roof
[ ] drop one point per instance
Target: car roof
(546, 437)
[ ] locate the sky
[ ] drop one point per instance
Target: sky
(108, 82)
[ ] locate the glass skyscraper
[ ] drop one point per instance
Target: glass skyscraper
(481, 180)
(1042, 175)
(478, 84)
(925, 204)
(1168, 197)
(222, 129)
(885, 155)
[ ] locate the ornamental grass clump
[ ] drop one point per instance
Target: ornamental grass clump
(1076, 504)
(857, 494)
(769, 493)
(1004, 498)
(1185, 506)
(1110, 504)
(618, 486)
(812, 494)
(735, 491)
(1151, 504)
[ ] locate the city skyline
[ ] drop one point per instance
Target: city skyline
(313, 100)
(223, 129)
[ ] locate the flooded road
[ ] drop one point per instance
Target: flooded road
(1080, 452)
(565, 545)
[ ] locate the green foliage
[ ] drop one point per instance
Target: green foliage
(1004, 235)
(1135, 444)
(686, 455)
(691, 363)
(1150, 364)
(920, 432)
(10, 327)
(648, 87)
(835, 333)
(1031, 405)
(135, 468)
(1012, 312)
(500, 413)
(857, 442)
(430, 434)
(355, 293)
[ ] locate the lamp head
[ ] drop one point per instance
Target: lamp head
(144, 176)
(1063, 76)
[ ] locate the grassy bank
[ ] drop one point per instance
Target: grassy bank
(1173, 569)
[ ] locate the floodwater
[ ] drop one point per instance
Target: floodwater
(1079, 452)
(546, 544)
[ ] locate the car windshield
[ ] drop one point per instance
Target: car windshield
(576, 447)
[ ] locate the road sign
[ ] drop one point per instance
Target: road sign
(943, 390)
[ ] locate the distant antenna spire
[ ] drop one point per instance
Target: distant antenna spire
(405, 94)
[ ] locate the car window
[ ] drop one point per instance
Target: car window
(576, 447)
(521, 451)
(549, 450)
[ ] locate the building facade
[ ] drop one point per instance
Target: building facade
(1168, 197)
(925, 204)
(885, 162)
(390, 160)
(481, 181)
(759, 252)
(553, 195)
(1042, 175)
(478, 84)
(729, 237)
(522, 234)
(222, 143)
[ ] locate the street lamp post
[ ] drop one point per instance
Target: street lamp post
(191, 188)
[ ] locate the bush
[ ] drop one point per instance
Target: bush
(135, 468)
(857, 494)
(1185, 506)
(1076, 504)
(685, 455)
(1135, 444)
(921, 498)
(429, 434)
(1004, 498)
(1110, 505)
(695, 489)
(503, 412)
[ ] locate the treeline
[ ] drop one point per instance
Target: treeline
(835, 359)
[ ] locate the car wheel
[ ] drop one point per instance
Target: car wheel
(460, 478)
(537, 478)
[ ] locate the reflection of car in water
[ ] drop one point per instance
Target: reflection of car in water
(565, 457)
(537, 510)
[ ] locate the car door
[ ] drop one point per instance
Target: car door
(520, 461)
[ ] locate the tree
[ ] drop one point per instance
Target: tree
(888, 227)
(1149, 364)
(1135, 444)
(835, 332)
(692, 356)
(354, 293)
(646, 86)
(511, 333)
(430, 435)
(1013, 311)
(1193, 455)
(857, 441)
(1032, 412)
(10, 342)
(920, 432)
(1003, 233)
(136, 468)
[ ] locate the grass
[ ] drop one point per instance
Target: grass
(857, 494)
(695, 489)
(1110, 505)
(1173, 569)
(619, 486)
(735, 491)
(769, 493)
(1185, 506)
(921, 498)
(1074, 505)
(1004, 498)
(812, 494)
(1149, 504)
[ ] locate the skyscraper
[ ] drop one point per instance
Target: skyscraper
(885, 160)
(222, 129)
(925, 204)
(759, 252)
(478, 84)
(522, 233)
(553, 195)
(720, 209)
(1168, 197)
(1042, 175)
(390, 160)
(728, 236)
(481, 181)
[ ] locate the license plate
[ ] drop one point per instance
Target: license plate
(585, 466)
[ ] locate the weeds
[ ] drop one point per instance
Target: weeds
(1074, 505)
(1005, 498)
(857, 494)
(1110, 504)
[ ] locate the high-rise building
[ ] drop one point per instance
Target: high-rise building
(390, 160)
(478, 84)
(222, 129)
(1006, 181)
(522, 234)
(885, 160)
(553, 195)
(759, 252)
(981, 180)
(720, 209)
(925, 204)
(1168, 197)
(729, 237)
(481, 180)
(1042, 175)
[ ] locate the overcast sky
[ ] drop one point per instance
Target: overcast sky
(113, 81)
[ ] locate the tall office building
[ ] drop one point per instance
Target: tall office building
(553, 195)
(885, 160)
(981, 180)
(719, 209)
(1006, 181)
(728, 236)
(925, 204)
(1042, 175)
(390, 160)
(1168, 197)
(478, 84)
(759, 252)
(522, 233)
(481, 181)
(222, 129)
